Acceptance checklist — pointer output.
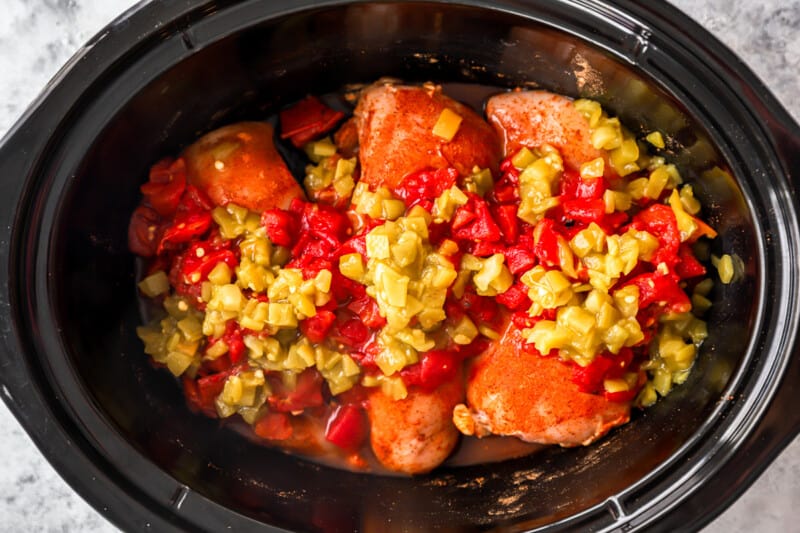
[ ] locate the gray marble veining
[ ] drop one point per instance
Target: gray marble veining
(37, 37)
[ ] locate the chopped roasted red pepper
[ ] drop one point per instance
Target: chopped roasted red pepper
(519, 259)
(662, 290)
(506, 218)
(515, 298)
(347, 427)
(307, 393)
(144, 231)
(281, 226)
(545, 247)
(659, 220)
(307, 120)
(167, 183)
(316, 328)
(434, 368)
(185, 228)
(573, 186)
(688, 266)
(481, 225)
(201, 258)
(425, 185)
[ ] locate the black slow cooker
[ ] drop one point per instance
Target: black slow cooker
(73, 371)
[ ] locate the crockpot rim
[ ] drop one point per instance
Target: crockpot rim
(125, 20)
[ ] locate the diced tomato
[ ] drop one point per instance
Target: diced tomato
(273, 426)
(347, 427)
(307, 119)
(462, 218)
(281, 226)
(485, 249)
(316, 328)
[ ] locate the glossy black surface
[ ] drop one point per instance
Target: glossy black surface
(73, 369)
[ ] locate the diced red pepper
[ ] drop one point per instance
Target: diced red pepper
(185, 228)
(515, 298)
(590, 378)
(662, 290)
(583, 210)
(688, 266)
(307, 393)
(306, 120)
(347, 427)
(233, 339)
(545, 246)
(519, 259)
(425, 185)
(167, 183)
(659, 220)
(317, 327)
(281, 226)
(354, 331)
(434, 368)
(200, 259)
(506, 218)
(369, 312)
(481, 227)
(574, 187)
(208, 388)
(144, 231)
(194, 199)
(481, 309)
(273, 426)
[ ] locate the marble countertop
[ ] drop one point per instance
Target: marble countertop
(38, 36)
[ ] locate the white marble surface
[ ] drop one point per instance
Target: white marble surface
(38, 36)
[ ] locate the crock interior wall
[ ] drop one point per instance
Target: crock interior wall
(251, 74)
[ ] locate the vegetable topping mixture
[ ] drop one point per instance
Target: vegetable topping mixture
(437, 276)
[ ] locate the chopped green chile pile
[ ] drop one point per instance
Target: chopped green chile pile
(296, 314)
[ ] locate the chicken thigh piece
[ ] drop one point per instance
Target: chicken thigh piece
(511, 391)
(239, 164)
(416, 434)
(395, 134)
(395, 126)
(531, 119)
